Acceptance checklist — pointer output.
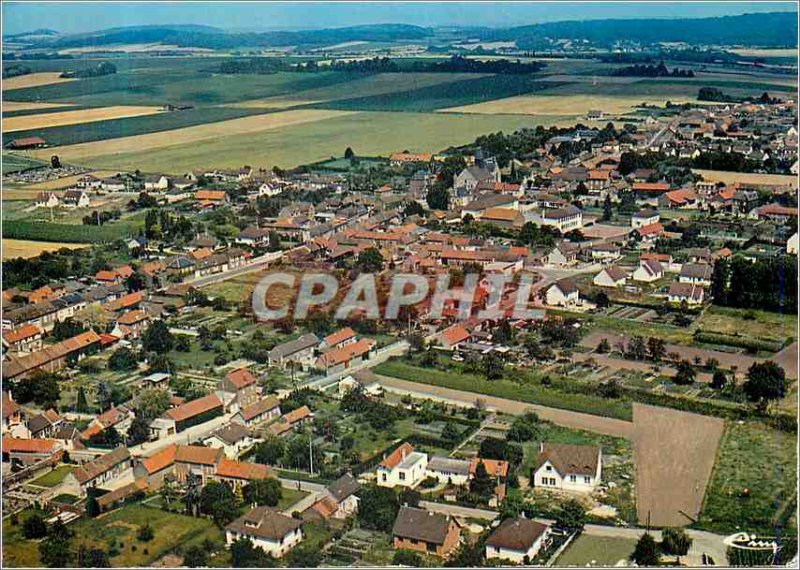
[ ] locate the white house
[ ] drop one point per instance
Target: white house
(47, 200)
(689, 293)
(645, 218)
(517, 540)
(233, 438)
(565, 219)
(156, 183)
(448, 470)
(791, 245)
(568, 467)
(649, 270)
(267, 529)
(610, 277)
(562, 293)
(696, 274)
(365, 380)
(76, 199)
(404, 467)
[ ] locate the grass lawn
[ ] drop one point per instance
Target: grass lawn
(121, 526)
(598, 550)
(289, 497)
(54, 477)
(526, 388)
(18, 551)
(754, 324)
(762, 460)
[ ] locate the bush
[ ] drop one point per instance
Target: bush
(747, 343)
(145, 533)
(407, 558)
(34, 527)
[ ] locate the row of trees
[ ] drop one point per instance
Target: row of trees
(769, 284)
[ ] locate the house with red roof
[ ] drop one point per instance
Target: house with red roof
(403, 467)
(243, 385)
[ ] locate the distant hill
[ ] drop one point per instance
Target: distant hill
(772, 29)
(214, 38)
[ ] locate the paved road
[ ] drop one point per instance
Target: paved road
(566, 418)
(189, 436)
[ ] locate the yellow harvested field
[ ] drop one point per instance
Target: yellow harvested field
(776, 52)
(59, 119)
(555, 105)
(729, 178)
(14, 248)
(33, 80)
(191, 135)
(12, 106)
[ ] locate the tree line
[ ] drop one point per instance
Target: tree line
(769, 284)
(645, 70)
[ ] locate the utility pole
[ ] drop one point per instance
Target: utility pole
(310, 455)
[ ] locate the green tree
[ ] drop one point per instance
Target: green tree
(139, 431)
(450, 433)
(685, 374)
(524, 427)
(157, 338)
(41, 388)
(152, 403)
(82, 405)
(370, 260)
(438, 197)
(637, 349)
(656, 349)
(603, 346)
(91, 557)
(719, 379)
(348, 153)
(92, 506)
(195, 556)
(145, 533)
(54, 551)
(271, 451)
(571, 516)
(607, 211)
(493, 366)
(378, 508)
(675, 541)
(481, 485)
(405, 557)
(646, 551)
(245, 555)
(766, 381)
(34, 527)
(217, 500)
(304, 556)
(264, 492)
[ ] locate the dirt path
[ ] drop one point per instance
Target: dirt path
(674, 454)
(566, 418)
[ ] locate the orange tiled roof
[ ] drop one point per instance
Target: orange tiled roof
(347, 353)
(160, 460)
(198, 454)
(241, 378)
(20, 445)
(494, 467)
(194, 408)
(210, 195)
(455, 334)
(396, 457)
(339, 336)
(132, 317)
(22, 333)
(239, 470)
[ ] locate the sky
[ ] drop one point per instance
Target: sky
(73, 17)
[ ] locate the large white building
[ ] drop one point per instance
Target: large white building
(568, 467)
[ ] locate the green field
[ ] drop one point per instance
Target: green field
(54, 477)
(596, 551)
(16, 163)
(71, 233)
(101, 130)
(527, 390)
(366, 133)
(753, 486)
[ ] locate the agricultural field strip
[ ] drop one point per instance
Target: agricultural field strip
(308, 143)
(29, 191)
(14, 248)
(33, 80)
(57, 119)
(544, 104)
(745, 177)
(193, 135)
(18, 106)
(380, 84)
(674, 453)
